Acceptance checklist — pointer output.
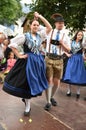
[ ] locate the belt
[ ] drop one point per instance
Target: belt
(54, 56)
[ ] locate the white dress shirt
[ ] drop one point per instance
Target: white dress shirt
(55, 48)
(1, 51)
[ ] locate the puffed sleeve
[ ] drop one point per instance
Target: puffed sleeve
(17, 41)
(42, 33)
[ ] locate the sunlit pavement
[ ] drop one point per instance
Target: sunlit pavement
(70, 114)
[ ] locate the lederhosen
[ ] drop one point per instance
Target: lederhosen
(52, 59)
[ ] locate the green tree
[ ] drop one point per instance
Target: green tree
(74, 11)
(10, 10)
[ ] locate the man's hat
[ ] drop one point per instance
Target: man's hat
(57, 17)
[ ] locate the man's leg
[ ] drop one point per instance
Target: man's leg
(54, 90)
(57, 74)
(48, 95)
(55, 86)
(49, 75)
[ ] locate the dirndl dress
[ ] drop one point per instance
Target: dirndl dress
(75, 72)
(27, 78)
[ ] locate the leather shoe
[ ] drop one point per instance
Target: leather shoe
(53, 102)
(77, 96)
(27, 113)
(68, 94)
(47, 107)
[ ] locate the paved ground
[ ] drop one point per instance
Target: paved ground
(68, 115)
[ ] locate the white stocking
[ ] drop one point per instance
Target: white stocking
(27, 107)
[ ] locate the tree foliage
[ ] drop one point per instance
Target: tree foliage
(10, 10)
(73, 11)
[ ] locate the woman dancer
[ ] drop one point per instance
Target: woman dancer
(27, 78)
(75, 71)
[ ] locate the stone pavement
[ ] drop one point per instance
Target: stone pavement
(68, 115)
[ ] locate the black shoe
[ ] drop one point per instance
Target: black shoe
(85, 98)
(68, 94)
(77, 96)
(47, 107)
(53, 102)
(27, 113)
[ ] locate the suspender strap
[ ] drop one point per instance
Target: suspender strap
(50, 40)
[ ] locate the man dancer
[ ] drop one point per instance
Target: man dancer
(57, 43)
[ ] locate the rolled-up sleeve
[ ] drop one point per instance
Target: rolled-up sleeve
(17, 41)
(43, 34)
(67, 41)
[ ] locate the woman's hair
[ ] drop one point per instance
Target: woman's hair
(31, 21)
(75, 37)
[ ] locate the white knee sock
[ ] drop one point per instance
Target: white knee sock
(54, 90)
(48, 94)
(69, 89)
(78, 89)
(27, 107)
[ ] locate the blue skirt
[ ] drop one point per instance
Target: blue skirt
(27, 78)
(75, 72)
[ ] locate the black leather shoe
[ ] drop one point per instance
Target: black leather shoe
(47, 107)
(68, 94)
(53, 102)
(85, 98)
(27, 113)
(77, 96)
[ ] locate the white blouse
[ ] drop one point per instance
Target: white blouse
(19, 40)
(1, 51)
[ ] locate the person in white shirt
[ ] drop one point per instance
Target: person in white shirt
(57, 44)
(2, 59)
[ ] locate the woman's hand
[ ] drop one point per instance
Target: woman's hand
(36, 15)
(67, 54)
(23, 56)
(46, 23)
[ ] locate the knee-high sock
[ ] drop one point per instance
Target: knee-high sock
(78, 89)
(48, 94)
(27, 107)
(69, 89)
(54, 90)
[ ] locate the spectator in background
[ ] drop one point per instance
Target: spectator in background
(2, 59)
(6, 43)
(10, 62)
